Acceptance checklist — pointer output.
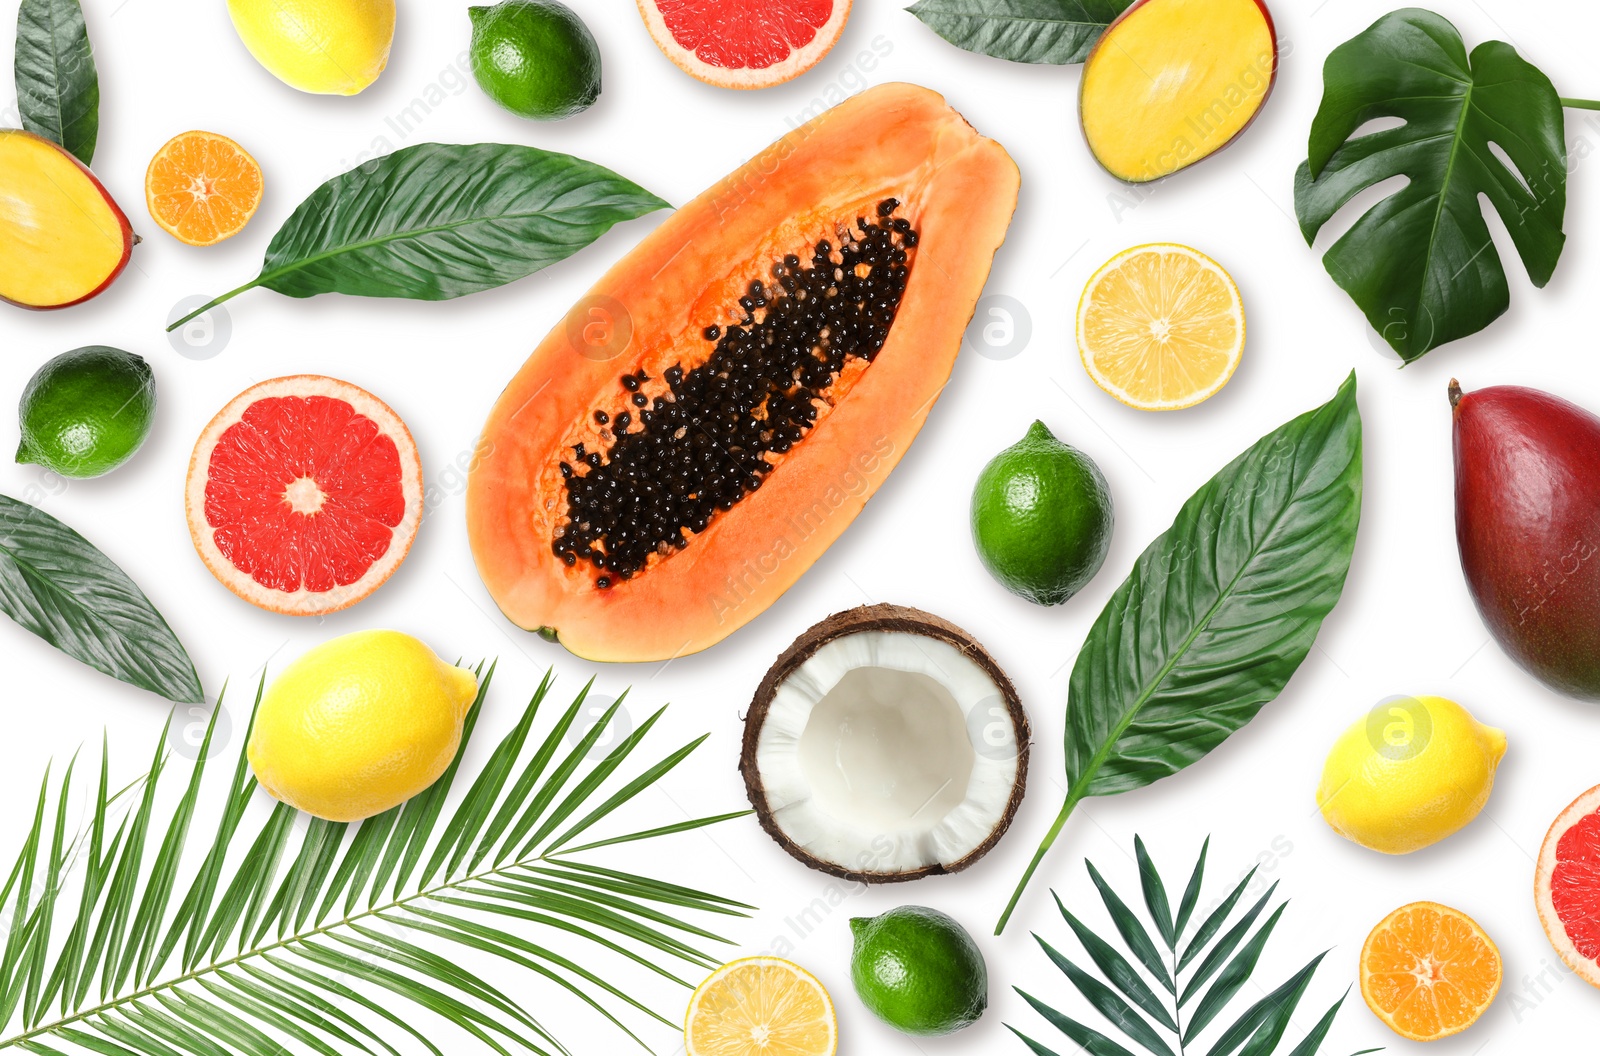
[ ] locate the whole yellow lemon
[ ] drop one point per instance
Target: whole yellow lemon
(1409, 773)
(359, 724)
(327, 47)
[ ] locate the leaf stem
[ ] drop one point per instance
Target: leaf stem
(1580, 104)
(1074, 795)
(1177, 1002)
(204, 308)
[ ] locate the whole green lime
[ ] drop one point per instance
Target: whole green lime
(1041, 518)
(86, 412)
(536, 58)
(919, 971)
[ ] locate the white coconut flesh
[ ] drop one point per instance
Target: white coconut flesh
(888, 752)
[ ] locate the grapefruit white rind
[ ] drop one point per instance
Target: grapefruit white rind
(799, 61)
(304, 602)
(1584, 805)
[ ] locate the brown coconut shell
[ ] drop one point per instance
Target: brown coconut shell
(868, 618)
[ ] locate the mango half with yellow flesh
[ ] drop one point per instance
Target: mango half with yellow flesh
(1171, 82)
(62, 237)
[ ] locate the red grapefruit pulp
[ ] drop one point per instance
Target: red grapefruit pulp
(304, 494)
(1567, 885)
(745, 43)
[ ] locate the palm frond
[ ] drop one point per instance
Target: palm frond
(296, 935)
(1162, 1026)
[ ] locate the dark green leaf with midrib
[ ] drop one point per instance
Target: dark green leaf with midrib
(58, 91)
(1042, 31)
(55, 583)
(1421, 264)
(1221, 609)
(436, 221)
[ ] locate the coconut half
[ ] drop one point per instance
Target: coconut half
(885, 744)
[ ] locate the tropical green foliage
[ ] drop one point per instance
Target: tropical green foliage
(340, 951)
(1053, 31)
(58, 585)
(1421, 264)
(1200, 973)
(58, 90)
(1218, 612)
(439, 220)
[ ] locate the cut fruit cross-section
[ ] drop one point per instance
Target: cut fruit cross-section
(304, 494)
(1171, 82)
(720, 406)
(745, 43)
(1160, 327)
(202, 188)
(1567, 886)
(1428, 971)
(761, 1006)
(62, 238)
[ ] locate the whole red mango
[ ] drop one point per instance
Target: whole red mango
(1528, 526)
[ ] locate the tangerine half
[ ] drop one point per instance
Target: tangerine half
(202, 188)
(1428, 971)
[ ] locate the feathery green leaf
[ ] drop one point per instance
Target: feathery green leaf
(333, 938)
(1155, 1023)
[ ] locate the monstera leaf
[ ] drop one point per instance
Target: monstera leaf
(1421, 263)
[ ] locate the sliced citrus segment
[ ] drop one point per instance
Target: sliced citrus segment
(304, 494)
(761, 1006)
(745, 43)
(202, 188)
(1429, 971)
(1567, 885)
(1160, 327)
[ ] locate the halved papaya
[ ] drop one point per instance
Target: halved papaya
(704, 423)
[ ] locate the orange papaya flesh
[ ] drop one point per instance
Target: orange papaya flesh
(714, 413)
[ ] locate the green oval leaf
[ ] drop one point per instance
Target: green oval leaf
(1421, 264)
(58, 91)
(1048, 31)
(436, 221)
(56, 584)
(1218, 612)
(1221, 609)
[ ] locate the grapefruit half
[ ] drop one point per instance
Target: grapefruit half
(745, 43)
(1566, 886)
(304, 494)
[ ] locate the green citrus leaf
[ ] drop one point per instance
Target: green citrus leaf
(436, 221)
(55, 583)
(1060, 32)
(1421, 264)
(58, 91)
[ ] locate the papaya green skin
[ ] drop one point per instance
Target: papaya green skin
(1528, 527)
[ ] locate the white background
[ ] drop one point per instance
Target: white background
(1405, 625)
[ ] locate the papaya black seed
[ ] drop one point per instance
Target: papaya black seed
(712, 436)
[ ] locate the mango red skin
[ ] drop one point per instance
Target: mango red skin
(1528, 527)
